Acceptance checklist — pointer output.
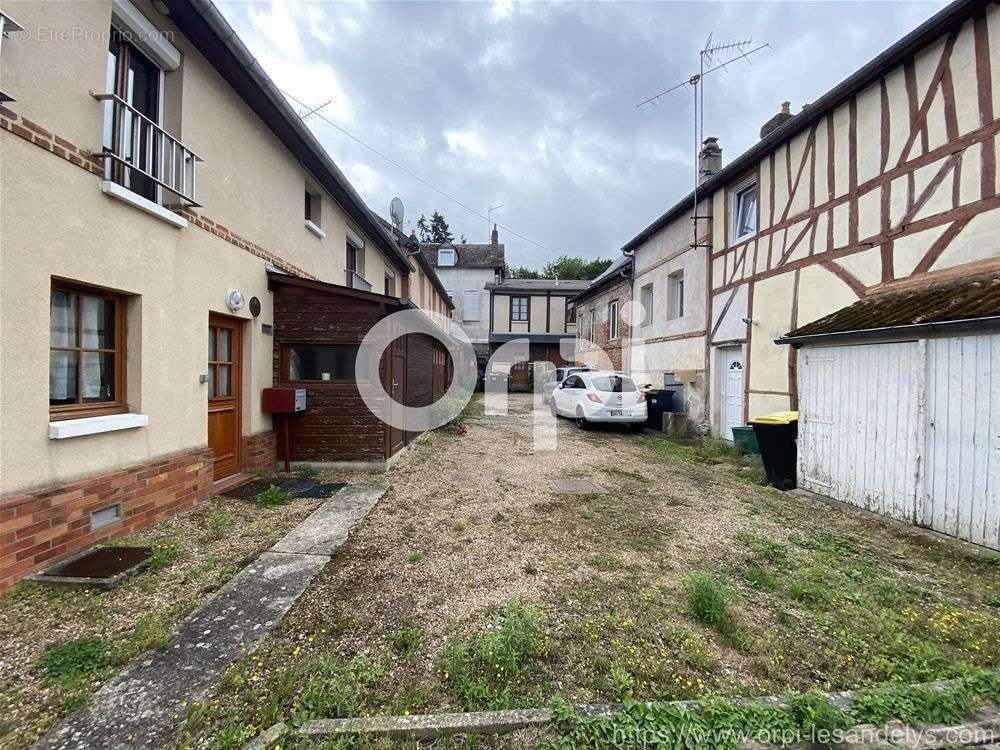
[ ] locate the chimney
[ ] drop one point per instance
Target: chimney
(783, 116)
(495, 237)
(710, 159)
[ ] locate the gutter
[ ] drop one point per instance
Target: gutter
(217, 25)
(908, 329)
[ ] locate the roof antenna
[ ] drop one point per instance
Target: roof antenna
(305, 113)
(731, 51)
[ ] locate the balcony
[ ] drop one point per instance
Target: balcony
(357, 281)
(143, 157)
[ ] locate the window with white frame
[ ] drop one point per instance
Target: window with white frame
(646, 300)
(470, 308)
(446, 256)
(675, 295)
(743, 212)
(613, 320)
(519, 309)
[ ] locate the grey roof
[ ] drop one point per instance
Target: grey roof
(467, 255)
(951, 17)
(570, 286)
(406, 244)
(609, 277)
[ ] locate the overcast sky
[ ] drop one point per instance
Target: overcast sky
(533, 105)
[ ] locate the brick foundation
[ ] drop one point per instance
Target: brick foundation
(260, 451)
(42, 526)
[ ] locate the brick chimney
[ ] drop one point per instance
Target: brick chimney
(495, 237)
(709, 159)
(783, 116)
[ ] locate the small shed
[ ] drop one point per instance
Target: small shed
(899, 405)
(318, 330)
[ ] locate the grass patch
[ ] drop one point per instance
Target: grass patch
(163, 555)
(69, 662)
(406, 640)
(272, 497)
(414, 557)
(708, 598)
(496, 667)
(306, 471)
(216, 523)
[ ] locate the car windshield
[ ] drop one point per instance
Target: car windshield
(559, 374)
(614, 384)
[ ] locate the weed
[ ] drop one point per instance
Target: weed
(217, 523)
(406, 640)
(163, 554)
(414, 557)
(621, 683)
(708, 598)
(331, 687)
(306, 471)
(992, 600)
(272, 497)
(458, 527)
(764, 550)
(494, 668)
(68, 662)
(760, 578)
(531, 569)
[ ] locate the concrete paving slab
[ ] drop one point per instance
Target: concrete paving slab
(327, 528)
(144, 704)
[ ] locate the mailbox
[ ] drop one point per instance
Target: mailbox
(283, 400)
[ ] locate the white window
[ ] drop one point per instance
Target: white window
(613, 320)
(743, 212)
(470, 310)
(446, 256)
(646, 300)
(675, 295)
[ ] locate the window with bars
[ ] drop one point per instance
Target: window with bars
(86, 352)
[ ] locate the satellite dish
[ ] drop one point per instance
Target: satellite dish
(396, 213)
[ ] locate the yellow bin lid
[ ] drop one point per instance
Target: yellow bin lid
(777, 417)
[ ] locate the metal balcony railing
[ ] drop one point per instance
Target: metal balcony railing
(357, 281)
(142, 154)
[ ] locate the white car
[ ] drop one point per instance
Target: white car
(600, 396)
(557, 376)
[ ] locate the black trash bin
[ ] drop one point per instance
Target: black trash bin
(776, 434)
(657, 402)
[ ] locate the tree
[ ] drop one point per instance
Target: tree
(439, 230)
(521, 272)
(423, 232)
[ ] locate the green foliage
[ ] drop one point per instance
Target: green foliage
(164, 553)
(331, 688)
(406, 640)
(68, 662)
(708, 598)
(813, 711)
(414, 557)
(563, 267)
(216, 523)
(271, 497)
(306, 471)
(435, 230)
(495, 667)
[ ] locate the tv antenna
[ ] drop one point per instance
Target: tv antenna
(304, 114)
(711, 57)
(489, 218)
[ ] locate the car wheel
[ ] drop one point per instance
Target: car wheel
(552, 408)
(581, 421)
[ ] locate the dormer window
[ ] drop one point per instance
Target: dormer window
(446, 256)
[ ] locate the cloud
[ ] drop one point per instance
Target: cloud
(533, 104)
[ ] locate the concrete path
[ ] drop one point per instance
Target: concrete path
(143, 705)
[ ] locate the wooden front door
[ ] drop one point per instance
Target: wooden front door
(519, 376)
(224, 393)
(395, 385)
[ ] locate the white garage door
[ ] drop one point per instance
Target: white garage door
(908, 430)
(858, 425)
(961, 484)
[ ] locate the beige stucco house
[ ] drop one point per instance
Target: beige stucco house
(888, 179)
(152, 176)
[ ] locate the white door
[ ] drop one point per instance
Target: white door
(859, 425)
(961, 483)
(732, 390)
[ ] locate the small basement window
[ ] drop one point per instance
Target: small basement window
(105, 516)
(321, 363)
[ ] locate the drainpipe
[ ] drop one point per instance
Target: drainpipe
(630, 275)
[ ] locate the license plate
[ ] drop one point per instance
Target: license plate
(617, 413)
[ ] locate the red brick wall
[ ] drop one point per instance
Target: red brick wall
(260, 451)
(42, 526)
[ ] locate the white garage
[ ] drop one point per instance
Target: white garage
(899, 406)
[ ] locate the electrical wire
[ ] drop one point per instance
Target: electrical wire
(418, 178)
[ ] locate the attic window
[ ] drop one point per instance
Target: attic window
(446, 256)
